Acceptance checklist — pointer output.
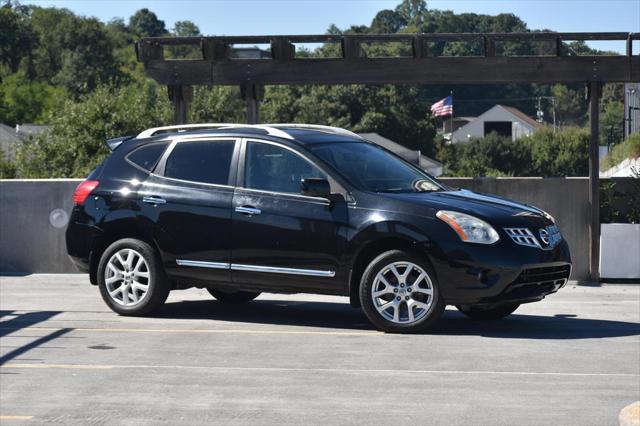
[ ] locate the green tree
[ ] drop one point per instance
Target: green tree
(76, 142)
(16, 35)
(25, 101)
(387, 22)
(412, 11)
(145, 23)
(571, 106)
(611, 123)
(72, 52)
(218, 104)
(186, 29)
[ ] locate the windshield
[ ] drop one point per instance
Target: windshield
(371, 168)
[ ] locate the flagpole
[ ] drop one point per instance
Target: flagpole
(451, 119)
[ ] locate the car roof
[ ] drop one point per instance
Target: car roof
(302, 134)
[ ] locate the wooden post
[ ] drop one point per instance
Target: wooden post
(252, 94)
(180, 97)
(595, 89)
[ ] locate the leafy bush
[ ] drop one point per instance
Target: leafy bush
(542, 154)
(7, 168)
(76, 142)
(564, 153)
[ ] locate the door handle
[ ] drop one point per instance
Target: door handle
(248, 210)
(154, 200)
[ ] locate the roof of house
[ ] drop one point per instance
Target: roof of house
(404, 152)
(29, 129)
(521, 115)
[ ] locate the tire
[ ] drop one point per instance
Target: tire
(139, 287)
(488, 313)
(233, 297)
(420, 304)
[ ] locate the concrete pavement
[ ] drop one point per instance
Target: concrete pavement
(573, 359)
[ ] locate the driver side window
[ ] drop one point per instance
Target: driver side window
(270, 167)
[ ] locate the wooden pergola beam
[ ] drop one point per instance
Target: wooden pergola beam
(426, 70)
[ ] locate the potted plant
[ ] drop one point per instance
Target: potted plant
(620, 228)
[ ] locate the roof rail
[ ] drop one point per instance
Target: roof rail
(330, 129)
(184, 127)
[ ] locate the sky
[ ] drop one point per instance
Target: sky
(253, 17)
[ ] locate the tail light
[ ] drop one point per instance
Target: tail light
(83, 190)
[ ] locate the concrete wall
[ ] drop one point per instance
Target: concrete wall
(29, 242)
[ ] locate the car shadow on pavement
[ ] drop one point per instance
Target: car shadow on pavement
(343, 316)
(518, 326)
(276, 312)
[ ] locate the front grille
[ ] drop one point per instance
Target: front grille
(549, 237)
(523, 237)
(534, 282)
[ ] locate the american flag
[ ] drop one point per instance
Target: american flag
(443, 107)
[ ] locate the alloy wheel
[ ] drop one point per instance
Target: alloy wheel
(402, 292)
(127, 277)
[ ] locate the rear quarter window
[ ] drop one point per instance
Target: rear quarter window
(147, 156)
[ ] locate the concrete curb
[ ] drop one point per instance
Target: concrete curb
(630, 415)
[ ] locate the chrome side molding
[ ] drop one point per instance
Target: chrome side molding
(201, 264)
(279, 270)
(256, 268)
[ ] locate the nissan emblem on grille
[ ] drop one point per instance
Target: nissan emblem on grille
(544, 236)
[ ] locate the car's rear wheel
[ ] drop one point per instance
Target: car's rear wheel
(488, 312)
(233, 297)
(131, 278)
(399, 293)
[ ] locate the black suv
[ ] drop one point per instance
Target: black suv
(240, 209)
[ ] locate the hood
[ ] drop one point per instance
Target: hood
(487, 207)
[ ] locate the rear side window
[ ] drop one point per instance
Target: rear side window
(147, 157)
(201, 161)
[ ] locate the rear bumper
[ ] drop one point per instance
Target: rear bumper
(81, 237)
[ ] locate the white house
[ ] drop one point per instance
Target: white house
(504, 120)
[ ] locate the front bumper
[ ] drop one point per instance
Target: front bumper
(533, 284)
(501, 273)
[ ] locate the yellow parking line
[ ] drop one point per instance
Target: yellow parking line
(61, 366)
(210, 331)
(308, 370)
(2, 417)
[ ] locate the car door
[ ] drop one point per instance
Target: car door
(189, 201)
(281, 238)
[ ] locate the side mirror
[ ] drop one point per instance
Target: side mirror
(315, 187)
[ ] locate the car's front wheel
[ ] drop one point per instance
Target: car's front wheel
(488, 312)
(399, 293)
(131, 278)
(233, 297)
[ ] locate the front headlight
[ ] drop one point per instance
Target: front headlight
(470, 229)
